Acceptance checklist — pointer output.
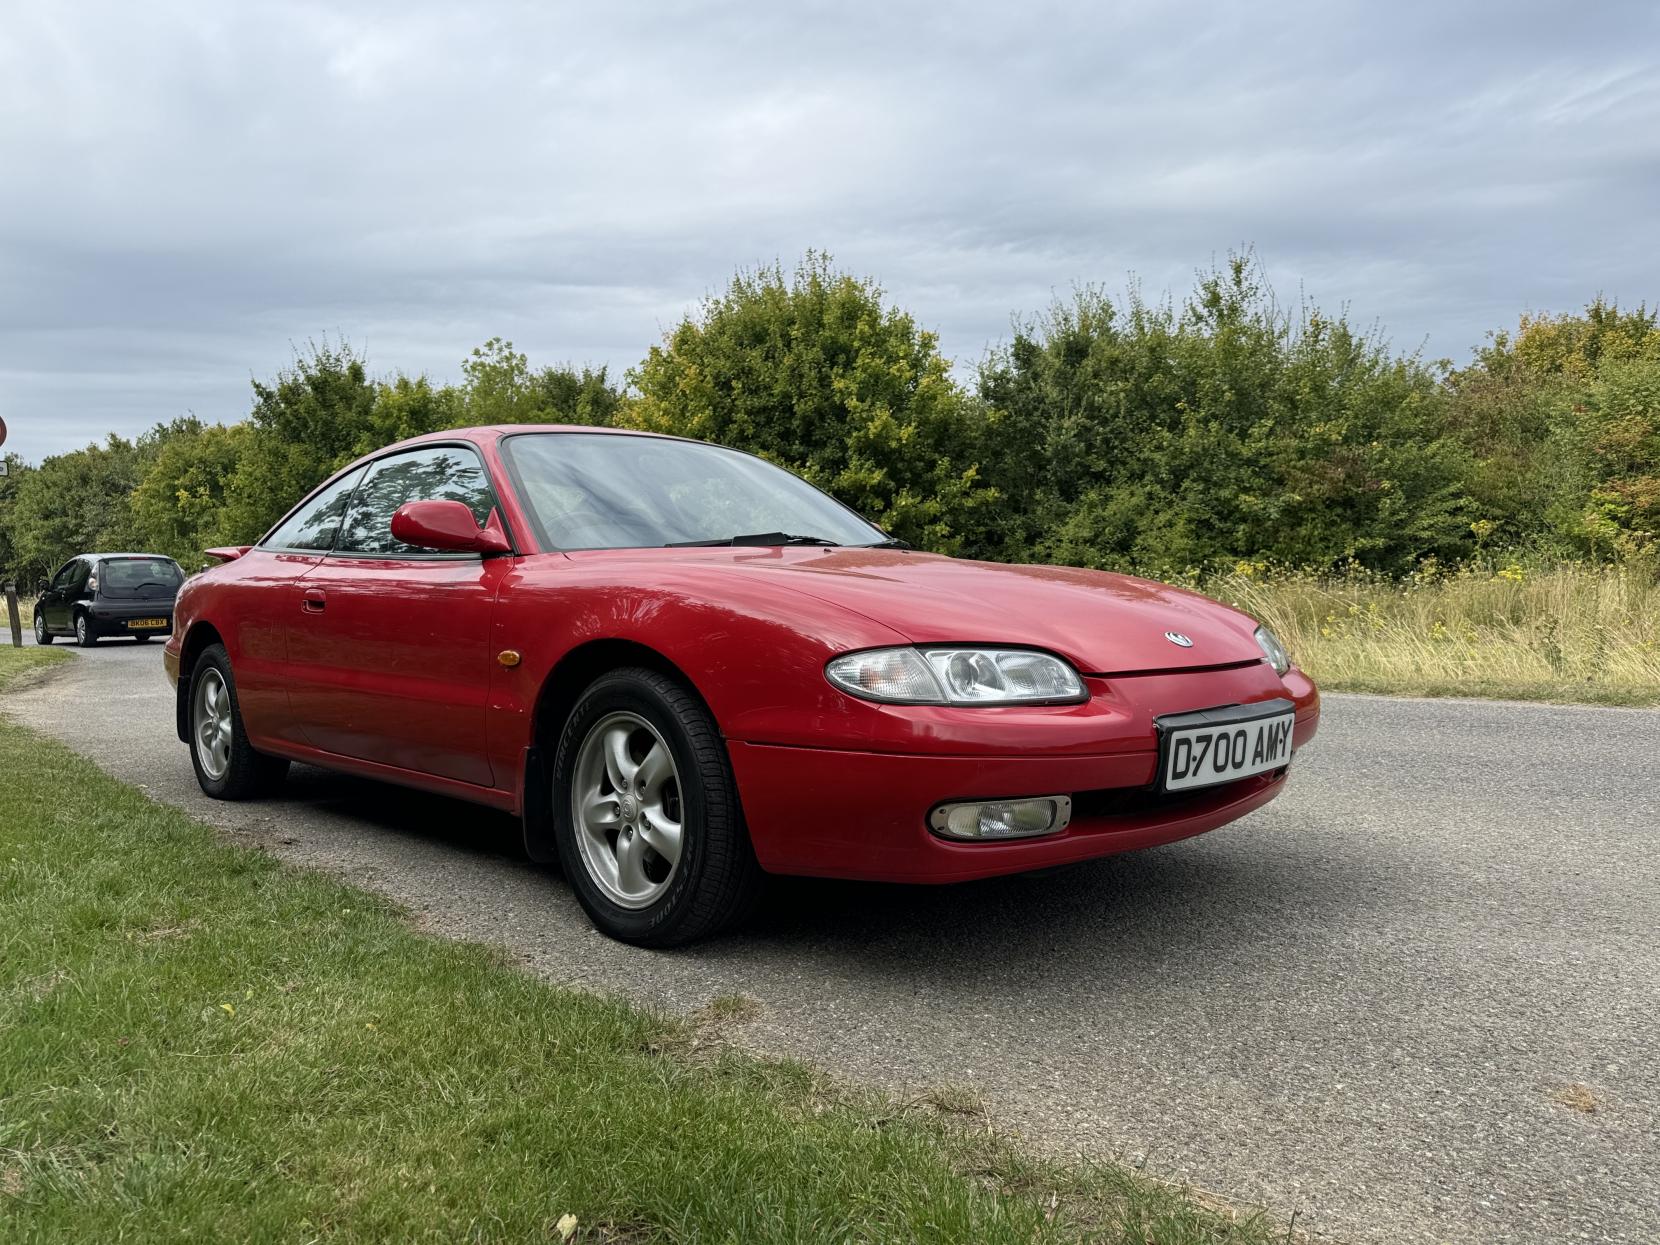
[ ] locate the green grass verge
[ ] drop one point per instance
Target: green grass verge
(15, 663)
(200, 1043)
(1565, 632)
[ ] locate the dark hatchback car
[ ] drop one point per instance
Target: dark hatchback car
(94, 595)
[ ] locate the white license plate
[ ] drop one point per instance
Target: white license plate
(1224, 745)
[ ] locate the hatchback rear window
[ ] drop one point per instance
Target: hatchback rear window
(139, 577)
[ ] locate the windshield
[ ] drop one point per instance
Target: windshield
(590, 490)
(139, 577)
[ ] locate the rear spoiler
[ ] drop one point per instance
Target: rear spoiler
(227, 553)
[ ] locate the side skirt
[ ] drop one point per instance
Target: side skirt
(491, 797)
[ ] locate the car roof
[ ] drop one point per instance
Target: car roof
(98, 557)
(485, 434)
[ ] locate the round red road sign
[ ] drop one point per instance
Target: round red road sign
(2, 432)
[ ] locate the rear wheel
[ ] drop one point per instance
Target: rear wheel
(43, 637)
(647, 819)
(86, 635)
(227, 766)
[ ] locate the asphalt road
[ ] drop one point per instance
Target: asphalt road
(1362, 1003)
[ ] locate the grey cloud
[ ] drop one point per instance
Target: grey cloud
(189, 189)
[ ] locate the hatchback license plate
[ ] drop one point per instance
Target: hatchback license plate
(145, 624)
(1215, 746)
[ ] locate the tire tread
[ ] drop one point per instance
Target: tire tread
(729, 879)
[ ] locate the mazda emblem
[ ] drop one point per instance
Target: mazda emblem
(1177, 638)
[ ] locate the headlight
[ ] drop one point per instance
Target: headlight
(1273, 650)
(956, 676)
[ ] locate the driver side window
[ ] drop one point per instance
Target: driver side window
(442, 473)
(66, 575)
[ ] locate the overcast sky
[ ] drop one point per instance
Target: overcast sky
(186, 190)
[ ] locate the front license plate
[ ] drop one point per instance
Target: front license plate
(145, 624)
(1214, 746)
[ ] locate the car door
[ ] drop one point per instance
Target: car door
(259, 599)
(53, 601)
(391, 655)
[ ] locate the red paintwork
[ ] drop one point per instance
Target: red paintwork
(227, 553)
(396, 677)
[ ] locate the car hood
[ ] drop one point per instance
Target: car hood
(1102, 623)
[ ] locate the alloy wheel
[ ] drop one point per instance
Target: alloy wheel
(627, 810)
(40, 628)
(211, 724)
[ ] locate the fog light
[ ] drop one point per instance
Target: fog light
(1002, 819)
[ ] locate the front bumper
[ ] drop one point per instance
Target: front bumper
(855, 814)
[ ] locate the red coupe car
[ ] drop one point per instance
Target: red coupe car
(685, 668)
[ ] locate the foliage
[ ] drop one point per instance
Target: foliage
(176, 507)
(80, 500)
(1561, 424)
(11, 562)
(500, 388)
(1159, 436)
(817, 372)
(307, 422)
(1514, 627)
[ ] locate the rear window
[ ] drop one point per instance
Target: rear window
(138, 577)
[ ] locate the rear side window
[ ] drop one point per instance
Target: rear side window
(315, 525)
(441, 473)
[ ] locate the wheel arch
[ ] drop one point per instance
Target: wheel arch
(560, 690)
(200, 636)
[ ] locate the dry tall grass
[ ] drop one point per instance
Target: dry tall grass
(1550, 632)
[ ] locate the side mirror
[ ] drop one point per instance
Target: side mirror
(42, 588)
(449, 527)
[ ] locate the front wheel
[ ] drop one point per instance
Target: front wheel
(648, 824)
(85, 634)
(43, 637)
(226, 764)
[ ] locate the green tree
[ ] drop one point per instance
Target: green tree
(11, 562)
(1549, 466)
(1162, 437)
(316, 416)
(816, 372)
(73, 503)
(177, 505)
(1622, 421)
(499, 387)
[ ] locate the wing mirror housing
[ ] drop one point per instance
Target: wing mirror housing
(448, 527)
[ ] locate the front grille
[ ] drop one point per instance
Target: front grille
(1129, 802)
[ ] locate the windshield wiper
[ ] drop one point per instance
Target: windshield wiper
(892, 542)
(751, 538)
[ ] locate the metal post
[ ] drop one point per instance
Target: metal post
(14, 616)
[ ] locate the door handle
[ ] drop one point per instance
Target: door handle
(315, 600)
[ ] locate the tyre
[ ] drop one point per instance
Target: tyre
(43, 637)
(646, 814)
(86, 635)
(227, 766)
